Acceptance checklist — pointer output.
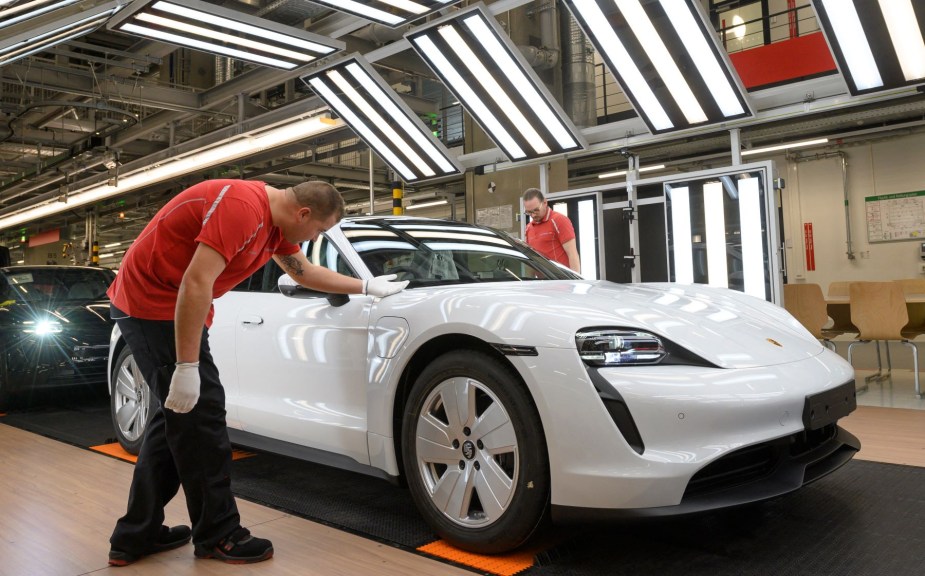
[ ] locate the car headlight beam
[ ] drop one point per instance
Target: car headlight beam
(619, 347)
(42, 327)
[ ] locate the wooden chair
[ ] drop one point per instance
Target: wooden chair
(840, 313)
(807, 304)
(878, 310)
(914, 288)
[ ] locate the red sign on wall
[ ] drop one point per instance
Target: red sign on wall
(810, 249)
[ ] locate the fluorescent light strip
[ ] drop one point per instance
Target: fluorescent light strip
(407, 6)
(377, 120)
(206, 46)
(359, 126)
(750, 222)
(426, 204)
(623, 172)
(853, 43)
(714, 217)
(704, 58)
(272, 138)
(52, 38)
(784, 146)
(681, 234)
(497, 93)
(906, 37)
(473, 103)
(222, 37)
(27, 15)
(522, 84)
(623, 64)
(384, 100)
(664, 63)
(366, 11)
(243, 27)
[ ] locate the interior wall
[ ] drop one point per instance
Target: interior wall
(814, 194)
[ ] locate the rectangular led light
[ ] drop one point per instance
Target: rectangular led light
(40, 38)
(389, 12)
(877, 45)
(681, 239)
(21, 12)
(623, 172)
(667, 60)
(752, 246)
(228, 33)
(715, 223)
(486, 72)
(378, 115)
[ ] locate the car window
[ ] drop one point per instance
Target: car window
(40, 284)
(323, 252)
(428, 252)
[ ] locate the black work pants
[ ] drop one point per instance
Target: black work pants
(189, 449)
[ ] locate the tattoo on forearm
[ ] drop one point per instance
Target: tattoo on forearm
(292, 265)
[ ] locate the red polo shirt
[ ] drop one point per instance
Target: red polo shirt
(548, 236)
(231, 216)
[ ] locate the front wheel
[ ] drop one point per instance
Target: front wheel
(130, 402)
(475, 454)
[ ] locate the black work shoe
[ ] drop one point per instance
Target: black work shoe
(239, 547)
(168, 539)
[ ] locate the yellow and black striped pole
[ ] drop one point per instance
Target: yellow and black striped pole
(95, 254)
(397, 209)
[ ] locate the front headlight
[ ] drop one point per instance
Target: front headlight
(619, 347)
(42, 327)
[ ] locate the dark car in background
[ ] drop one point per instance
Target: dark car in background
(54, 329)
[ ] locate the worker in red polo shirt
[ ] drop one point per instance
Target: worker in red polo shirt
(549, 232)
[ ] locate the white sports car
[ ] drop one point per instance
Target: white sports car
(504, 389)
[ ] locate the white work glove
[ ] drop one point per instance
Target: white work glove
(382, 286)
(184, 388)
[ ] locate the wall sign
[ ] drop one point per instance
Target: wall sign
(810, 246)
(894, 217)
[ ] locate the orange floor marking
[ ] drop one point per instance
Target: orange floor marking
(502, 565)
(116, 451)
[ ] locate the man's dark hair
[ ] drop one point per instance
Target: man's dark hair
(321, 197)
(531, 193)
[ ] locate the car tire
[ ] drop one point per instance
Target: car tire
(479, 474)
(130, 402)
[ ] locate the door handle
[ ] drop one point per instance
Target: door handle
(252, 320)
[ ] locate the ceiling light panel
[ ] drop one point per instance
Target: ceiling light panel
(20, 12)
(667, 60)
(877, 45)
(224, 32)
(377, 115)
(35, 40)
(389, 12)
(487, 74)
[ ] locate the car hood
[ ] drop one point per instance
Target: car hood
(724, 327)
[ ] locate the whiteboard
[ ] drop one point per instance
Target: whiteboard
(894, 217)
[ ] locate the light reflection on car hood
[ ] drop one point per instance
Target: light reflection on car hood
(725, 327)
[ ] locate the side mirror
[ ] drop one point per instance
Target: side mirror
(292, 289)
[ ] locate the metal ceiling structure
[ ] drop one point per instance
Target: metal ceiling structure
(91, 110)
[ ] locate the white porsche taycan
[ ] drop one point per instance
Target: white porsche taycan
(506, 390)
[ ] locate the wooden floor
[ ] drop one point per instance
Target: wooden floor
(59, 503)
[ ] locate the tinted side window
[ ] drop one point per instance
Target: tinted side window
(325, 253)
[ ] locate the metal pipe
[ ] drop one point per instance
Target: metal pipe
(844, 180)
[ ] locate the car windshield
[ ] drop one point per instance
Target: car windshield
(435, 252)
(25, 284)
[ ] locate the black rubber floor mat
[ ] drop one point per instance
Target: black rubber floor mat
(355, 502)
(77, 418)
(865, 519)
